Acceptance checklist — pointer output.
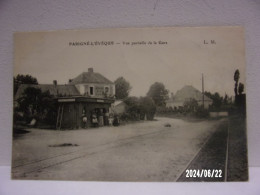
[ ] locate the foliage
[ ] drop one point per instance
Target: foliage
(36, 104)
(132, 101)
(240, 88)
(240, 97)
(236, 75)
(225, 100)
(122, 88)
(217, 100)
(138, 108)
(23, 79)
(147, 107)
(201, 112)
(191, 105)
(158, 93)
(133, 108)
(236, 79)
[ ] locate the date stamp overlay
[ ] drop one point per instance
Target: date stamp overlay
(203, 173)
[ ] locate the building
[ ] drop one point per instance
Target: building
(88, 95)
(118, 107)
(92, 84)
(185, 94)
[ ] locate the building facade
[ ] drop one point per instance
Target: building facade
(118, 107)
(188, 93)
(84, 102)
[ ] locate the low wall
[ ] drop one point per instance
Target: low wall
(218, 114)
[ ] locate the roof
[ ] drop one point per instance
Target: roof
(90, 77)
(189, 92)
(118, 102)
(64, 90)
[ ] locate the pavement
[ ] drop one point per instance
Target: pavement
(142, 151)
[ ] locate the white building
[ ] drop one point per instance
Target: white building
(93, 84)
(185, 94)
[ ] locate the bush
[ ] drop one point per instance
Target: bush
(36, 104)
(147, 107)
(201, 112)
(138, 108)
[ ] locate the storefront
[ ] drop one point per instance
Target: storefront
(80, 112)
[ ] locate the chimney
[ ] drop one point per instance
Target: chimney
(55, 82)
(90, 70)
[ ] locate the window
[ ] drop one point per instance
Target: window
(91, 90)
(106, 90)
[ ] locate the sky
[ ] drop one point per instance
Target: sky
(187, 53)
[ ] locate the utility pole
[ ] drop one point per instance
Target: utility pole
(202, 91)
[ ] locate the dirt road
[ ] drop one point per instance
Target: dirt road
(143, 151)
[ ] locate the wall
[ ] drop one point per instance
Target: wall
(97, 93)
(218, 114)
(119, 108)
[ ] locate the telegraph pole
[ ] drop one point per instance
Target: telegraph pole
(202, 91)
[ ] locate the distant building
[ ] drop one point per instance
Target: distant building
(185, 94)
(86, 95)
(118, 107)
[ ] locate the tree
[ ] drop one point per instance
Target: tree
(158, 93)
(236, 79)
(133, 108)
(138, 108)
(36, 104)
(225, 100)
(216, 98)
(123, 88)
(191, 105)
(23, 79)
(240, 97)
(240, 88)
(147, 107)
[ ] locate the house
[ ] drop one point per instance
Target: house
(89, 95)
(93, 84)
(185, 94)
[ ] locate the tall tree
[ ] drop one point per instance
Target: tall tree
(240, 88)
(23, 79)
(123, 88)
(158, 93)
(236, 79)
(240, 97)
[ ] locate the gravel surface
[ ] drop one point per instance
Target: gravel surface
(142, 151)
(237, 158)
(210, 159)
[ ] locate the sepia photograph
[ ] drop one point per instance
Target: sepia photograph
(157, 104)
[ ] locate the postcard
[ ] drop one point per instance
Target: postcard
(164, 104)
